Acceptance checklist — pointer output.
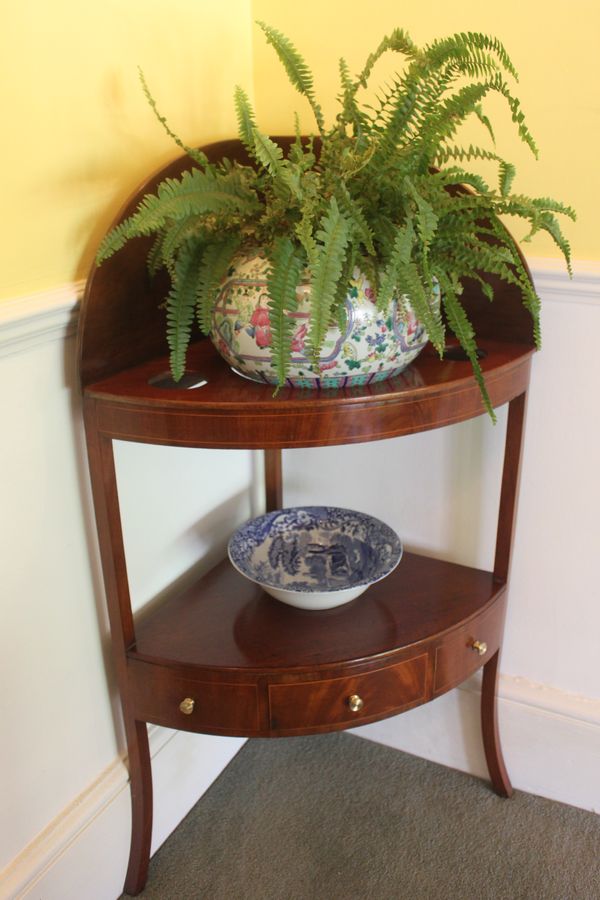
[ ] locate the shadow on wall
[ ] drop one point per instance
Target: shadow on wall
(439, 490)
(212, 530)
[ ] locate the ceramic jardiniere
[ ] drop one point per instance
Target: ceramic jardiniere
(374, 345)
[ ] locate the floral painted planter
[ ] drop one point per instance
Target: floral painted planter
(374, 345)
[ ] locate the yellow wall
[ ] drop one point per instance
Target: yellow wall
(77, 132)
(554, 47)
(78, 135)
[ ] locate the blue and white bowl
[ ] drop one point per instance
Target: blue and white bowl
(315, 557)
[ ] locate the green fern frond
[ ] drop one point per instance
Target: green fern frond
(195, 193)
(465, 255)
(457, 175)
(420, 294)
(215, 262)
(346, 81)
(519, 276)
(351, 113)
(467, 46)
(426, 220)
(507, 175)
(518, 117)
(305, 231)
(400, 258)
(456, 108)
(339, 312)
(200, 158)
(463, 330)
(333, 239)
(486, 288)
(268, 153)
(245, 119)
(399, 42)
(356, 217)
(531, 300)
(301, 157)
(396, 130)
(181, 303)
(296, 152)
(478, 110)
(116, 238)
(446, 153)
(178, 234)
(154, 260)
(296, 68)
(520, 205)
(548, 205)
(546, 221)
(464, 252)
(286, 266)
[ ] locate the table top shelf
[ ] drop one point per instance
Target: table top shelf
(226, 624)
(231, 411)
(122, 344)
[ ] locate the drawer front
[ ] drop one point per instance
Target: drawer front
(465, 650)
(166, 698)
(313, 705)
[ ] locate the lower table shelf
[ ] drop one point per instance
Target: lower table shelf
(225, 658)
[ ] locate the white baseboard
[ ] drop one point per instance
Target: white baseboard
(551, 744)
(550, 739)
(84, 851)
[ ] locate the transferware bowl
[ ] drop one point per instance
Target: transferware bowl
(315, 557)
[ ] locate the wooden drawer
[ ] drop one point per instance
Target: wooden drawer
(217, 706)
(458, 657)
(303, 706)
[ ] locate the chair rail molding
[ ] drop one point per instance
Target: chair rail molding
(553, 283)
(37, 318)
(27, 321)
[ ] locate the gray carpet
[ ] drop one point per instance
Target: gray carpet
(336, 817)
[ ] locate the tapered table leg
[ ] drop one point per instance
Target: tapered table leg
(112, 550)
(489, 726)
(504, 539)
(140, 775)
(510, 487)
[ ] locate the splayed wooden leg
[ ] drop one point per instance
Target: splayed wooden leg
(489, 726)
(140, 774)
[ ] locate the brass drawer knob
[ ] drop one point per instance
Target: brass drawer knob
(187, 706)
(480, 647)
(355, 703)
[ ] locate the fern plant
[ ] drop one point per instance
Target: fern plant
(376, 191)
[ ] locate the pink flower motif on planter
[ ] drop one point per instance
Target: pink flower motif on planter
(298, 339)
(370, 295)
(411, 323)
(262, 326)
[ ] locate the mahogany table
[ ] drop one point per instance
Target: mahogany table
(225, 658)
